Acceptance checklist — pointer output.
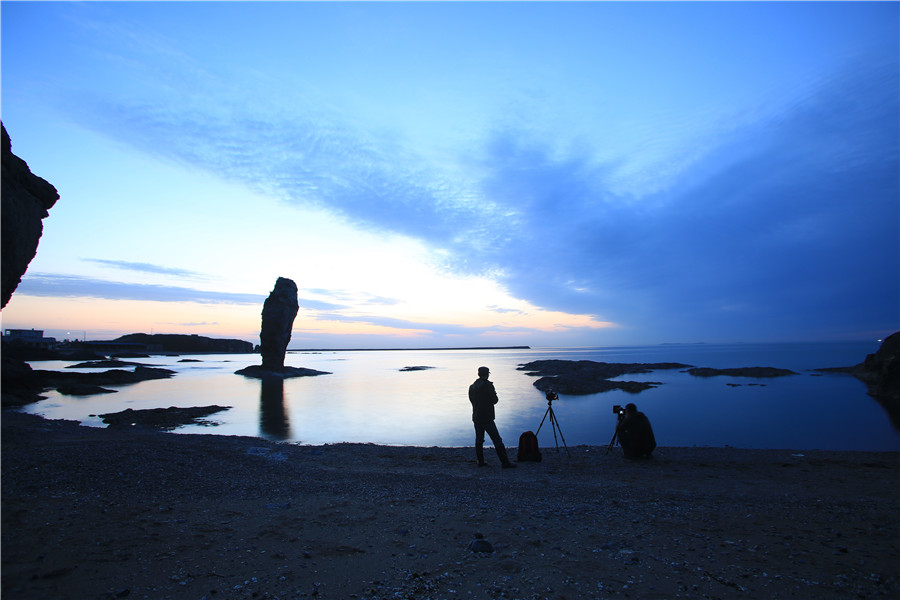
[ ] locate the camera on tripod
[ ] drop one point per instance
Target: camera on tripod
(618, 410)
(551, 396)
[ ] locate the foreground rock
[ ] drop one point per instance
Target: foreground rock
(134, 513)
(162, 418)
(26, 198)
(578, 377)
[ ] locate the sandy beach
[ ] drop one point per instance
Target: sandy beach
(134, 513)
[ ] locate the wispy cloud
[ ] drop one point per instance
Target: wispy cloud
(145, 268)
(776, 216)
(48, 284)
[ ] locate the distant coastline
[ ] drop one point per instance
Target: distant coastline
(406, 349)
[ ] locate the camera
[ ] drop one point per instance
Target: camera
(618, 410)
(551, 396)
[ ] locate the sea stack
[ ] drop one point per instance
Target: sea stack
(278, 314)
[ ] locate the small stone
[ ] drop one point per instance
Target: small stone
(481, 545)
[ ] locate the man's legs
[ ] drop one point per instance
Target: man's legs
(491, 429)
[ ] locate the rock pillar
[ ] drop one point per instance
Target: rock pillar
(278, 313)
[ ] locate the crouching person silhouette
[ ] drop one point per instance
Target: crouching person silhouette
(636, 434)
(483, 397)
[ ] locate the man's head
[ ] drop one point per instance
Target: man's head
(483, 372)
(630, 408)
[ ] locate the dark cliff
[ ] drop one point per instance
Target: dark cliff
(26, 200)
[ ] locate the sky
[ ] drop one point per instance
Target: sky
(461, 173)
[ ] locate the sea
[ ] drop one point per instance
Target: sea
(372, 396)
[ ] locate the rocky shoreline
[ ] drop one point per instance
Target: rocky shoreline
(132, 512)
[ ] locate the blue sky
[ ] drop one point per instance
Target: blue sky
(461, 173)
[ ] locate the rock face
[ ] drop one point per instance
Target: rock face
(26, 199)
(278, 313)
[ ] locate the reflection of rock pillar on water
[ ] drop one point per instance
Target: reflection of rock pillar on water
(274, 421)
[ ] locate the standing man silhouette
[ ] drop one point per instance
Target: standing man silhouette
(483, 397)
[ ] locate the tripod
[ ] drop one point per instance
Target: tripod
(554, 424)
(621, 417)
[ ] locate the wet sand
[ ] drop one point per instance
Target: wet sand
(134, 513)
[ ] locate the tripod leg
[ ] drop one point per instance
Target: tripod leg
(556, 424)
(542, 420)
(612, 442)
(553, 427)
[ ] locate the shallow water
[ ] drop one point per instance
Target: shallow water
(367, 398)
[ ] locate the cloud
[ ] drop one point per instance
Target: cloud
(145, 268)
(786, 224)
(62, 286)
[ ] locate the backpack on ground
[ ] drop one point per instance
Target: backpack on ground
(528, 448)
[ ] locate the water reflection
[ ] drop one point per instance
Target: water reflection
(274, 422)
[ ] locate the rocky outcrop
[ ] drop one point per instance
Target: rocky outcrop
(278, 314)
(579, 377)
(26, 200)
(881, 374)
(881, 371)
(23, 385)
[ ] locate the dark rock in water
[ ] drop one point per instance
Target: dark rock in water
(162, 418)
(83, 389)
(278, 314)
(26, 200)
(22, 384)
(262, 372)
(741, 372)
(105, 364)
(418, 368)
(579, 377)
(56, 379)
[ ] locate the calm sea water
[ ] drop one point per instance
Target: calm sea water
(367, 398)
